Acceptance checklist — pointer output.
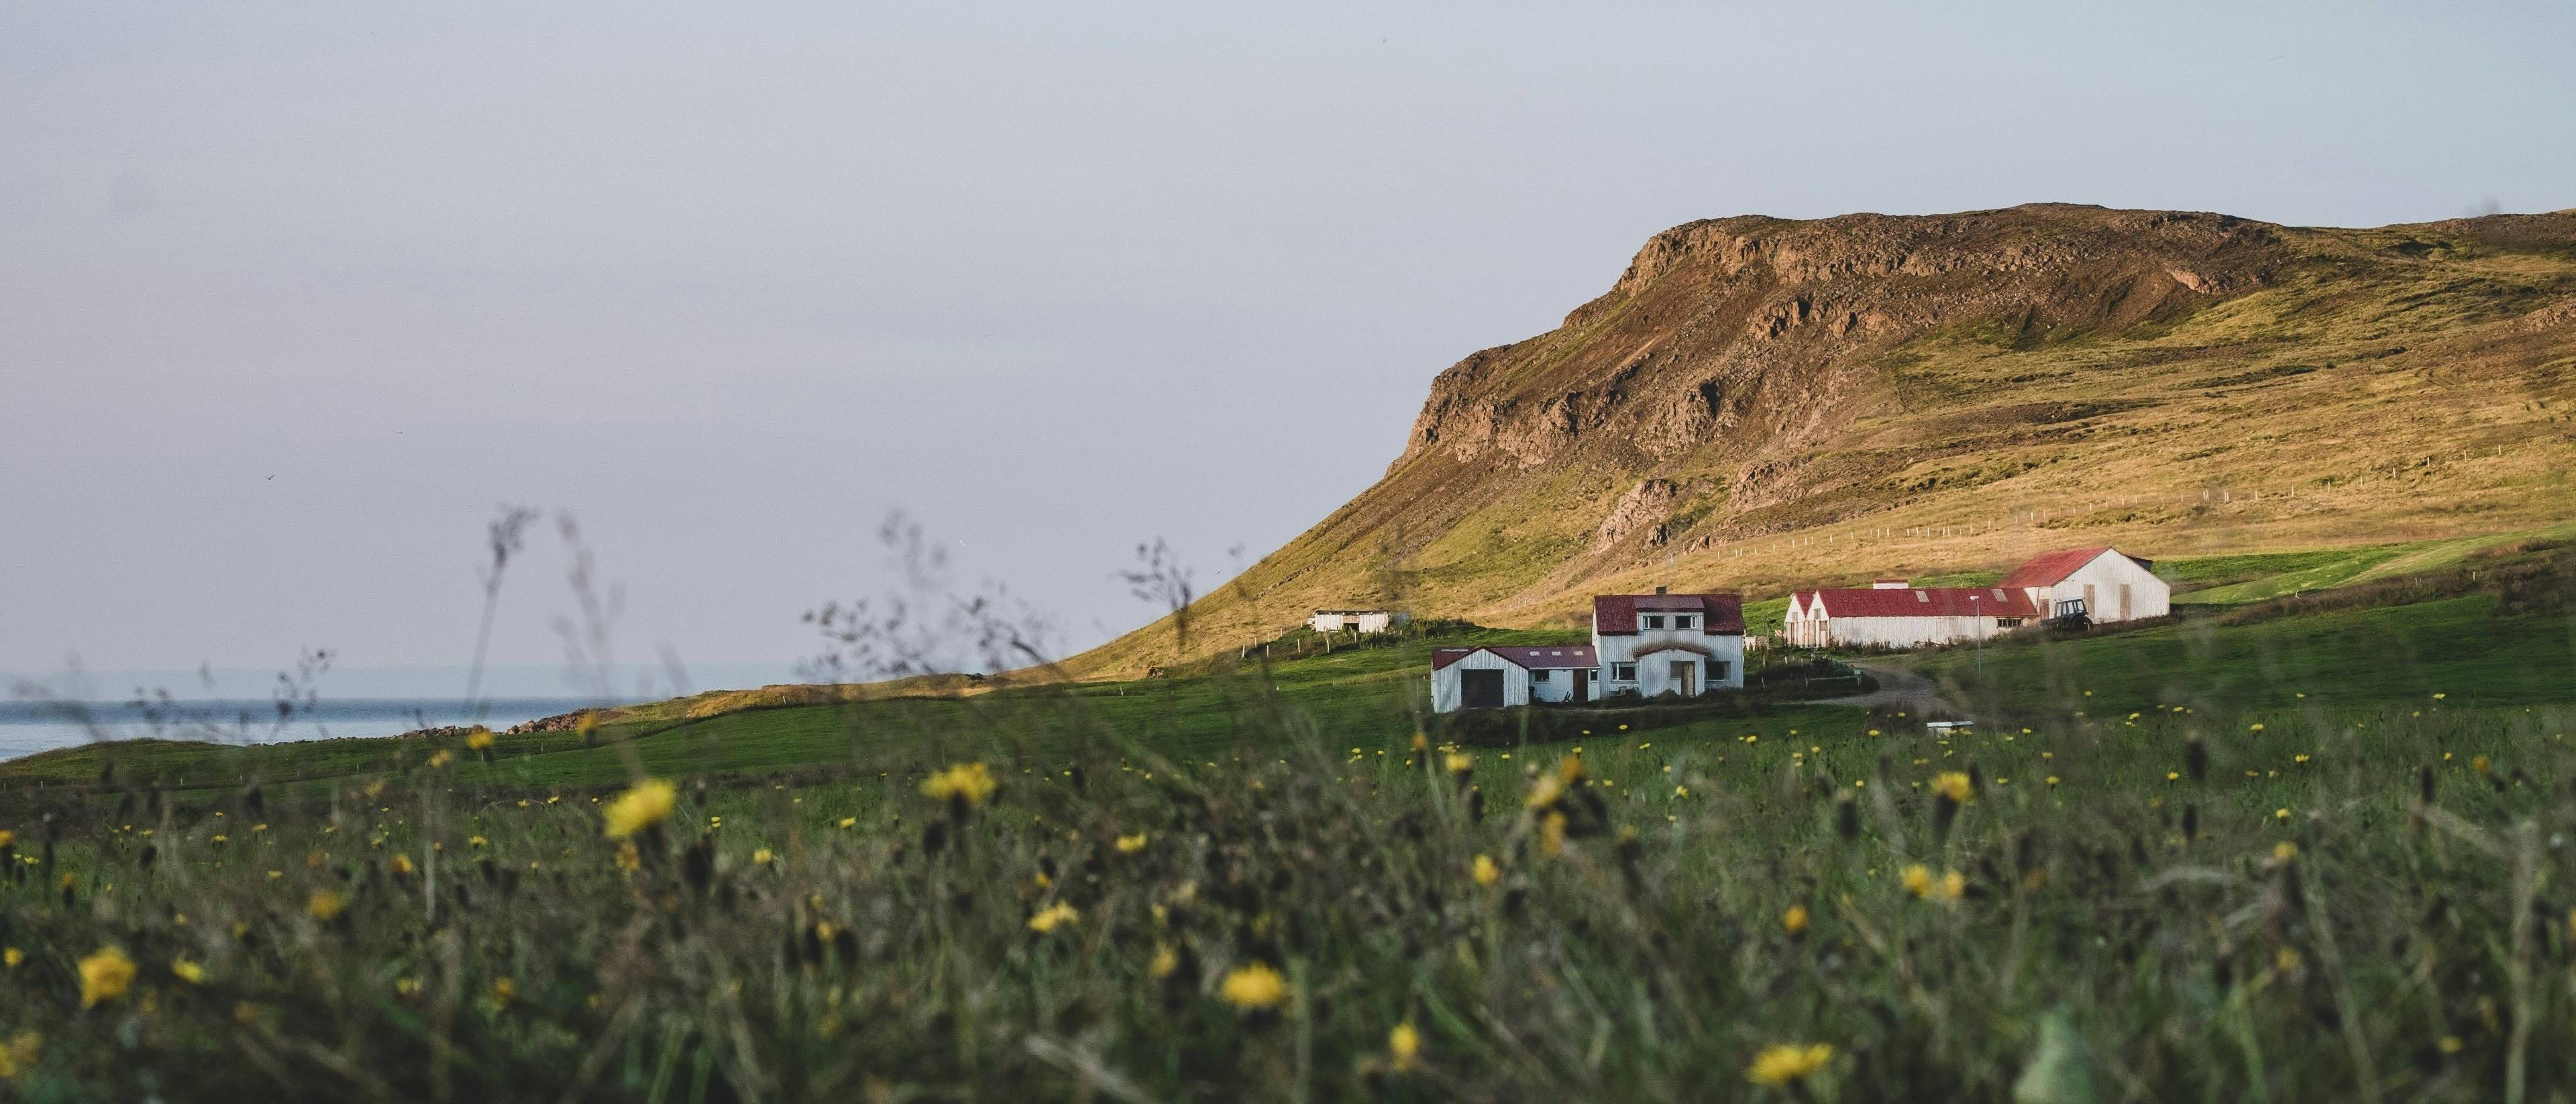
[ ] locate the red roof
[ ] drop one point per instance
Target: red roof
(1535, 659)
(1616, 614)
(2050, 568)
(1927, 602)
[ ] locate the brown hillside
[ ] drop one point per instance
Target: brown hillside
(1759, 402)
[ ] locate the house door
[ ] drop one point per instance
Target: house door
(1686, 677)
(1582, 685)
(1484, 689)
(2125, 614)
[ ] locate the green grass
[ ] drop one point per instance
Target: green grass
(2456, 647)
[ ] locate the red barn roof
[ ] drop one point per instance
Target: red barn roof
(1616, 614)
(1929, 602)
(2050, 568)
(1535, 659)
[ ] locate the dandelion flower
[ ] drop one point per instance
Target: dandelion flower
(187, 971)
(1789, 1063)
(2255, 727)
(1551, 834)
(628, 858)
(647, 804)
(762, 857)
(1486, 873)
(1795, 920)
(324, 905)
(1403, 1045)
(1459, 762)
(504, 991)
(1052, 917)
(849, 822)
(2285, 851)
(968, 782)
(105, 976)
(1129, 845)
(1952, 785)
(13, 957)
(441, 758)
(399, 864)
(1165, 961)
(1254, 987)
(480, 739)
(1917, 879)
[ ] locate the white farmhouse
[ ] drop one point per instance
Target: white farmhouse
(1646, 644)
(1363, 622)
(1494, 677)
(2103, 584)
(1657, 644)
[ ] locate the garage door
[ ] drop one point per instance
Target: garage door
(1484, 689)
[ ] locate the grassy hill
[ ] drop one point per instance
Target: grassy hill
(1760, 403)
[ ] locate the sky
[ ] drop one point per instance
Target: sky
(294, 297)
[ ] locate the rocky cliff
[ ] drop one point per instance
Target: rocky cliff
(1915, 392)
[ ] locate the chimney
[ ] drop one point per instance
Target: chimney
(1659, 590)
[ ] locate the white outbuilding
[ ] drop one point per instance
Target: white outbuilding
(1494, 677)
(2103, 584)
(1364, 622)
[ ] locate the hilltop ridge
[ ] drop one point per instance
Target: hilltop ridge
(1758, 401)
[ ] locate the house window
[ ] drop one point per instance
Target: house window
(1682, 622)
(2007, 622)
(1623, 672)
(1716, 672)
(1654, 622)
(1540, 676)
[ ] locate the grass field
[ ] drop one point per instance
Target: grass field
(2303, 854)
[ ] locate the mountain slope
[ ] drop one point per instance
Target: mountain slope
(1763, 402)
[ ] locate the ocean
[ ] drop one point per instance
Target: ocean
(27, 727)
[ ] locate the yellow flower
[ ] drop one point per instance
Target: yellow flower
(480, 739)
(968, 781)
(1129, 845)
(2481, 765)
(849, 822)
(324, 905)
(1165, 961)
(504, 991)
(1460, 762)
(187, 971)
(105, 976)
(1917, 879)
(13, 957)
(1255, 987)
(400, 864)
(1403, 1045)
(1551, 834)
(1795, 920)
(1952, 785)
(761, 856)
(2173, 776)
(476, 841)
(2255, 727)
(18, 1054)
(2285, 851)
(1545, 791)
(1053, 916)
(1789, 1063)
(2280, 814)
(1486, 873)
(628, 858)
(647, 804)
(441, 758)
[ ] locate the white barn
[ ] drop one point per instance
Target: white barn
(2102, 583)
(1657, 644)
(1495, 677)
(1892, 614)
(1364, 622)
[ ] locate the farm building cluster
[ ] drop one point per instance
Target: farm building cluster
(1686, 645)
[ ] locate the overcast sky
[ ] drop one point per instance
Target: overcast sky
(293, 296)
